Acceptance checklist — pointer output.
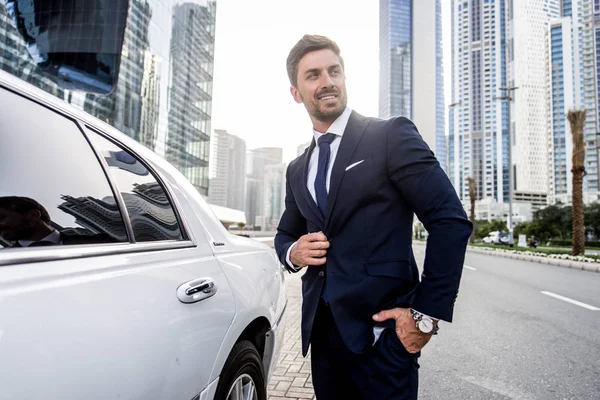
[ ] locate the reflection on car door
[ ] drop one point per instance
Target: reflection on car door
(96, 314)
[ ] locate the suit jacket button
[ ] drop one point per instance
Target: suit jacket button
(321, 274)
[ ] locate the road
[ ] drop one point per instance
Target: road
(511, 341)
(508, 339)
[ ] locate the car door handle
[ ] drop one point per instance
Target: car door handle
(196, 290)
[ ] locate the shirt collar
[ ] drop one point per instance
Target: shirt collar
(53, 237)
(338, 127)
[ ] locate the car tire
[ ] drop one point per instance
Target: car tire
(243, 371)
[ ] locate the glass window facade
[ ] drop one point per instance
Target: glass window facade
(163, 96)
(567, 8)
(396, 75)
(396, 58)
(558, 111)
(479, 123)
(440, 147)
(598, 68)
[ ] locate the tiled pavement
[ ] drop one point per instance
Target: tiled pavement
(292, 378)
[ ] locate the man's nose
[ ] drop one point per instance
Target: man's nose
(326, 80)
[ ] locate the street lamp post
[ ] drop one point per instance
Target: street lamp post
(508, 97)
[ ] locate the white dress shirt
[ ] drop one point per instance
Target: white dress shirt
(53, 237)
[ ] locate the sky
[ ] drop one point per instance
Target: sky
(251, 96)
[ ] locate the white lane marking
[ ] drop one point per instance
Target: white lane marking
(471, 268)
(568, 300)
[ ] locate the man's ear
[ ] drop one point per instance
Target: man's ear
(35, 214)
(296, 94)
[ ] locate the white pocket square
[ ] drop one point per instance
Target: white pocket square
(354, 165)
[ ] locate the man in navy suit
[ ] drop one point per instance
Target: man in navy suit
(350, 200)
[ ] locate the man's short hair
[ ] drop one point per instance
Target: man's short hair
(23, 205)
(308, 44)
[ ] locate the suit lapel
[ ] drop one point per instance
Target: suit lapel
(352, 135)
(304, 185)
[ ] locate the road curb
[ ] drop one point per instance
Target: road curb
(592, 267)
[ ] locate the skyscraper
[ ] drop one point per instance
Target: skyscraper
(163, 94)
(529, 22)
(274, 195)
(411, 70)
(573, 66)
(258, 160)
(499, 44)
(192, 50)
(228, 187)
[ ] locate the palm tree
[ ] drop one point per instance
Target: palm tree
(577, 119)
(472, 198)
(241, 226)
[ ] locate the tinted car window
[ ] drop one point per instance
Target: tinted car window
(53, 190)
(150, 210)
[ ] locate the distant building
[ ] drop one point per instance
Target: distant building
(228, 186)
(411, 70)
(274, 196)
(573, 82)
(499, 44)
(257, 161)
(489, 210)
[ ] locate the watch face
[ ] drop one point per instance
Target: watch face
(426, 325)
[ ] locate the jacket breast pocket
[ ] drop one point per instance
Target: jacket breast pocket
(398, 269)
(360, 165)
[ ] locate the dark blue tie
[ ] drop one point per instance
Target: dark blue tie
(321, 181)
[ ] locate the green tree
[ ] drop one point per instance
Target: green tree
(592, 219)
(472, 198)
(241, 225)
(485, 227)
(532, 228)
(555, 221)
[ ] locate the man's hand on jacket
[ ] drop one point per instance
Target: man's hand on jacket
(310, 249)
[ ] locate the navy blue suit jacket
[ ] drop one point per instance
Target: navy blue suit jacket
(370, 264)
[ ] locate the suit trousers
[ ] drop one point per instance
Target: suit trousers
(384, 371)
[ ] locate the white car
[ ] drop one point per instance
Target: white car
(116, 279)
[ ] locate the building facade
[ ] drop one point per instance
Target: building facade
(163, 94)
(573, 70)
(228, 187)
(411, 69)
(529, 21)
(274, 196)
(499, 44)
(257, 162)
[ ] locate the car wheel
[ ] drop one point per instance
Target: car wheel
(243, 376)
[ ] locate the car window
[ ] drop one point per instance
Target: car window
(151, 213)
(53, 190)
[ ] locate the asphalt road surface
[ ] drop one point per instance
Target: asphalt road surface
(521, 330)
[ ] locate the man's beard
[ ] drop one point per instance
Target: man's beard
(331, 114)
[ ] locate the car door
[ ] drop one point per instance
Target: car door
(93, 256)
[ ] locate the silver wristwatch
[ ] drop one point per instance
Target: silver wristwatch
(424, 324)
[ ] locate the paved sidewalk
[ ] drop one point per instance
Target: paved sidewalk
(292, 378)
